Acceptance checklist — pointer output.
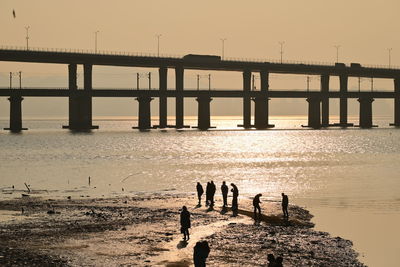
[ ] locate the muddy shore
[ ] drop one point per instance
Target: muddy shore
(144, 231)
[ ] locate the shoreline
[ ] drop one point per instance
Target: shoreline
(143, 231)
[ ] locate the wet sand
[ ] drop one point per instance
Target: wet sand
(144, 231)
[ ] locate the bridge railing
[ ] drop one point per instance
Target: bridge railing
(88, 51)
(172, 56)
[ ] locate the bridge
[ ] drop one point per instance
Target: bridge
(80, 100)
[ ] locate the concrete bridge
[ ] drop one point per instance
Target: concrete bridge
(80, 100)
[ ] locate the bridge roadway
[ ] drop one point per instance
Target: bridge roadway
(59, 57)
(63, 92)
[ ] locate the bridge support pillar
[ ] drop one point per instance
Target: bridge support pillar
(246, 100)
(314, 112)
(343, 101)
(325, 100)
(203, 115)
(80, 101)
(179, 85)
(396, 102)
(163, 97)
(366, 112)
(15, 114)
(261, 113)
(144, 120)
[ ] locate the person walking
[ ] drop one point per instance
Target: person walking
(285, 204)
(200, 192)
(256, 205)
(224, 190)
(185, 223)
(208, 191)
(213, 188)
(235, 195)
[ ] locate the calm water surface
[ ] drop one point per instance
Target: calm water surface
(349, 179)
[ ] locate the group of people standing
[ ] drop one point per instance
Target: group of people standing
(257, 207)
(210, 193)
(201, 250)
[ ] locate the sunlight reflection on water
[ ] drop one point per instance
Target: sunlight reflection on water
(333, 169)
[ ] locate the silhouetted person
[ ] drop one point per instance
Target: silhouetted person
(185, 223)
(213, 188)
(224, 190)
(208, 191)
(200, 192)
(285, 204)
(271, 260)
(256, 205)
(279, 262)
(200, 253)
(235, 195)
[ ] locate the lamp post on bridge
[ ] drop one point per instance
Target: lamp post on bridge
(223, 47)
(27, 37)
(337, 52)
(281, 51)
(95, 41)
(158, 44)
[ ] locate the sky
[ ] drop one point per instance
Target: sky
(310, 29)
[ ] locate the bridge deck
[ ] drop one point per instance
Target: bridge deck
(190, 93)
(65, 57)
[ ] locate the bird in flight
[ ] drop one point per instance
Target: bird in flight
(14, 14)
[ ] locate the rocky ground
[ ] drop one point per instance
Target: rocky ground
(144, 231)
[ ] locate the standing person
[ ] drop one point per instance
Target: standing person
(185, 223)
(224, 190)
(200, 253)
(213, 188)
(208, 190)
(256, 205)
(200, 192)
(235, 195)
(285, 204)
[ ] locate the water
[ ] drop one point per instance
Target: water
(349, 179)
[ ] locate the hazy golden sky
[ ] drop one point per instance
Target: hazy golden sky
(253, 29)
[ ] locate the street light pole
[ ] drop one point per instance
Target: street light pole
(223, 47)
(337, 52)
(158, 44)
(281, 52)
(27, 37)
(95, 41)
(390, 56)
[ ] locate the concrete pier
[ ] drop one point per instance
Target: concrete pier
(246, 99)
(314, 112)
(144, 120)
(73, 99)
(179, 85)
(261, 113)
(325, 100)
(163, 98)
(366, 112)
(343, 101)
(80, 101)
(203, 115)
(261, 105)
(396, 102)
(15, 114)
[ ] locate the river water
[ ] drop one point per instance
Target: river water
(348, 178)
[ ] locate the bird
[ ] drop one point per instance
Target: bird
(14, 14)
